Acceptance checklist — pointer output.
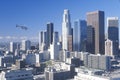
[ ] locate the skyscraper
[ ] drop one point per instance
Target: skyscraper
(66, 29)
(109, 48)
(50, 30)
(80, 29)
(70, 42)
(43, 40)
(113, 33)
(90, 40)
(43, 37)
(83, 36)
(26, 45)
(13, 47)
(95, 23)
(55, 37)
(76, 40)
(54, 47)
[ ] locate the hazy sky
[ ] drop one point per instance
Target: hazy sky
(36, 13)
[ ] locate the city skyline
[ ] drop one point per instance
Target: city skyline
(59, 40)
(36, 14)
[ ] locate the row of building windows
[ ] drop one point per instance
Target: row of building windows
(17, 76)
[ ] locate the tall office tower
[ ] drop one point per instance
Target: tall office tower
(66, 29)
(70, 42)
(90, 40)
(60, 42)
(95, 25)
(43, 40)
(76, 39)
(113, 33)
(43, 37)
(50, 30)
(55, 37)
(13, 47)
(39, 40)
(26, 45)
(23, 45)
(54, 47)
(109, 48)
(80, 29)
(83, 36)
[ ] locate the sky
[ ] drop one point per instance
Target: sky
(34, 14)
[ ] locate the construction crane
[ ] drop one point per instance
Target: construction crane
(22, 27)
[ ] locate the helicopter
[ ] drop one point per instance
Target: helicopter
(22, 27)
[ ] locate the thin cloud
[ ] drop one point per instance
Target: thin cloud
(33, 38)
(14, 38)
(23, 37)
(8, 37)
(1, 37)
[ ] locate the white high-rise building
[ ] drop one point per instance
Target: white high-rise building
(26, 44)
(109, 47)
(13, 47)
(43, 40)
(66, 29)
(54, 47)
(54, 51)
(23, 45)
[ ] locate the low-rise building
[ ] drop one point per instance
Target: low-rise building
(22, 74)
(32, 59)
(60, 71)
(84, 73)
(6, 61)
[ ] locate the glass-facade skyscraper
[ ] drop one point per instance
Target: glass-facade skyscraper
(50, 30)
(80, 34)
(76, 39)
(113, 33)
(95, 23)
(83, 35)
